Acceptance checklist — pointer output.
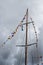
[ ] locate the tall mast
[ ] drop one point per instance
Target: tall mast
(26, 42)
(26, 37)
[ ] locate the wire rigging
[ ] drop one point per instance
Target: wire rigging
(36, 37)
(21, 25)
(13, 33)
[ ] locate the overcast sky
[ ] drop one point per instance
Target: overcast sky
(11, 13)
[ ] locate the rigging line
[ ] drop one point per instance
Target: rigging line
(13, 33)
(20, 56)
(36, 41)
(32, 60)
(35, 31)
(17, 27)
(29, 34)
(36, 38)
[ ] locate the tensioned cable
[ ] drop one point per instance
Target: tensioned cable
(36, 38)
(13, 33)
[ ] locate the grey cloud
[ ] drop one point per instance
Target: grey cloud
(5, 55)
(3, 58)
(19, 58)
(11, 12)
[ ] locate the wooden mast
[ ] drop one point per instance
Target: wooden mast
(26, 37)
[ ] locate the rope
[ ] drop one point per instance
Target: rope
(36, 38)
(13, 33)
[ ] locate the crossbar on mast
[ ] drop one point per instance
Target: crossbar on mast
(25, 45)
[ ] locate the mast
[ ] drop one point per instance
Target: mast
(26, 41)
(26, 37)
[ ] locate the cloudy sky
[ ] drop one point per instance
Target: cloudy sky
(11, 13)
